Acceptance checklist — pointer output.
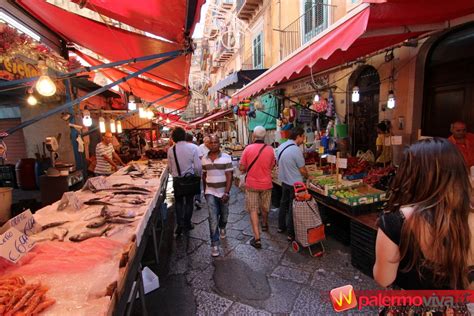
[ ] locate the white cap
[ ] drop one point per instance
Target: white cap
(259, 132)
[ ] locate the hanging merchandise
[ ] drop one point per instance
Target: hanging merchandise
(251, 113)
(292, 114)
(3, 150)
(236, 109)
(80, 144)
(320, 106)
(330, 106)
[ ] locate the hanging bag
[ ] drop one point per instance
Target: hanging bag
(186, 185)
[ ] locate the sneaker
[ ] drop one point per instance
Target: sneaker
(222, 233)
(215, 251)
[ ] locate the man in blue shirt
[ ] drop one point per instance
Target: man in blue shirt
(291, 169)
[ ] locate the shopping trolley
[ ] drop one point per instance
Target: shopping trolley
(309, 228)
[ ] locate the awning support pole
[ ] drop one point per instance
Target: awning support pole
(174, 53)
(89, 95)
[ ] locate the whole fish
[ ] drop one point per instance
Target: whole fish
(89, 234)
(53, 224)
(97, 223)
(96, 202)
(129, 192)
(118, 220)
(107, 212)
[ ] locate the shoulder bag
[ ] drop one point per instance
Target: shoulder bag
(243, 177)
(279, 155)
(189, 184)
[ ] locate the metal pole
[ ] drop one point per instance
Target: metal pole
(174, 53)
(87, 96)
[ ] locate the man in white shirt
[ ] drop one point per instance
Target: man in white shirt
(188, 158)
(204, 147)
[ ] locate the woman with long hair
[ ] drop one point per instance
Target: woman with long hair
(424, 239)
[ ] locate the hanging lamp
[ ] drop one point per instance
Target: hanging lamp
(45, 86)
(391, 100)
(113, 129)
(31, 98)
(119, 127)
(355, 94)
(102, 124)
(132, 106)
(86, 118)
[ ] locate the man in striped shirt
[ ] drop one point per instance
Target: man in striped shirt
(105, 155)
(217, 179)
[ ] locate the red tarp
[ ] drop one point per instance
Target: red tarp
(367, 29)
(144, 89)
(210, 117)
(162, 18)
(109, 42)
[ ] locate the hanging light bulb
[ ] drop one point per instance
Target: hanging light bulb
(316, 97)
(161, 117)
(31, 98)
(112, 126)
(168, 120)
(102, 124)
(355, 94)
(391, 100)
(150, 115)
(119, 127)
(45, 86)
(132, 106)
(86, 118)
(142, 111)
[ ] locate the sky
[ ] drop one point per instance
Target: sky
(198, 30)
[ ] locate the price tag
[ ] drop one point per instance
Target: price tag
(321, 149)
(331, 159)
(69, 199)
(24, 223)
(98, 183)
(341, 163)
(14, 245)
(396, 140)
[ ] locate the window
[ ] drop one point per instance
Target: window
(315, 18)
(257, 49)
(198, 107)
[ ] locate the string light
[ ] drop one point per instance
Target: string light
(168, 120)
(45, 86)
(86, 118)
(113, 130)
(119, 127)
(355, 94)
(31, 98)
(102, 124)
(391, 100)
(132, 106)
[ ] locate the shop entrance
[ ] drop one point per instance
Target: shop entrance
(364, 115)
(449, 83)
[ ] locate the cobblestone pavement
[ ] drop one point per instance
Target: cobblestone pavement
(247, 281)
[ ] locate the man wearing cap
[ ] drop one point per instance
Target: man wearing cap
(258, 160)
(105, 155)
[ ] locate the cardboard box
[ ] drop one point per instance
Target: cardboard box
(366, 195)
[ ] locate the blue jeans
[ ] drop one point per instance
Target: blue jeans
(184, 206)
(218, 214)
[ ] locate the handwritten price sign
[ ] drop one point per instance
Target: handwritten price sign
(14, 245)
(24, 223)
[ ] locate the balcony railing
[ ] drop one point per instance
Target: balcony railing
(315, 20)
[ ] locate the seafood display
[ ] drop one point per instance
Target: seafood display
(82, 245)
(19, 298)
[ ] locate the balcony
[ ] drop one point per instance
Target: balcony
(247, 9)
(227, 4)
(214, 66)
(315, 20)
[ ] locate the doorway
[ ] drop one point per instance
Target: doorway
(364, 115)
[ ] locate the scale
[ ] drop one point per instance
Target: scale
(52, 146)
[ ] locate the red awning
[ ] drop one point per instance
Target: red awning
(162, 18)
(367, 29)
(210, 117)
(144, 89)
(110, 42)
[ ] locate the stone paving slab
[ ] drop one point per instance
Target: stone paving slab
(203, 280)
(210, 303)
(200, 216)
(200, 231)
(290, 274)
(228, 244)
(242, 309)
(257, 259)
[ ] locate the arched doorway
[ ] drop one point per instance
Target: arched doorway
(364, 115)
(448, 93)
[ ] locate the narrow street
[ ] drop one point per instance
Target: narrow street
(244, 280)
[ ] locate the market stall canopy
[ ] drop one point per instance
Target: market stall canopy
(111, 42)
(163, 18)
(372, 26)
(144, 89)
(87, 85)
(236, 80)
(208, 118)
